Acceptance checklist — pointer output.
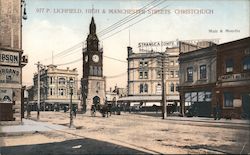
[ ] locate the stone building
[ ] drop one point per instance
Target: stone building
(11, 61)
(144, 77)
(55, 88)
(197, 78)
(92, 82)
(233, 72)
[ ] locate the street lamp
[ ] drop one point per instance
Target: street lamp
(71, 83)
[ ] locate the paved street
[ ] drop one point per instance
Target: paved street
(131, 134)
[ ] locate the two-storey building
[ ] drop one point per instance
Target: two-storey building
(197, 78)
(55, 87)
(233, 72)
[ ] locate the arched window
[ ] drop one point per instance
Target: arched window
(61, 80)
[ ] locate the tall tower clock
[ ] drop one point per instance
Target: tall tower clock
(92, 82)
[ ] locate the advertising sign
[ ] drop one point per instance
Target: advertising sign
(9, 58)
(6, 95)
(10, 74)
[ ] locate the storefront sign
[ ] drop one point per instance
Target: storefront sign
(237, 102)
(9, 58)
(10, 74)
(6, 95)
(235, 77)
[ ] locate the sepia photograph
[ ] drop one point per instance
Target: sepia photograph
(124, 77)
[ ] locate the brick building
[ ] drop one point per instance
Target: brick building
(11, 61)
(233, 72)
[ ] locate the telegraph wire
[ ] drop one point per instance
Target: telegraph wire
(132, 19)
(130, 25)
(126, 19)
(80, 43)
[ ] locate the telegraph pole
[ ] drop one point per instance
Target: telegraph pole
(38, 89)
(163, 83)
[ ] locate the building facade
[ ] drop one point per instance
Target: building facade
(145, 77)
(11, 61)
(92, 82)
(233, 72)
(197, 79)
(54, 88)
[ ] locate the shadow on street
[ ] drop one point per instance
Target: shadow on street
(76, 146)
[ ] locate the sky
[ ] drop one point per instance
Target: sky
(61, 27)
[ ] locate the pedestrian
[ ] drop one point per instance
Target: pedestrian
(217, 112)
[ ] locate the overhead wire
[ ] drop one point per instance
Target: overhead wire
(107, 30)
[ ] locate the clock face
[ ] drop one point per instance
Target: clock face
(86, 58)
(95, 58)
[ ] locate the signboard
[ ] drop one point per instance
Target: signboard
(6, 95)
(237, 103)
(9, 58)
(10, 74)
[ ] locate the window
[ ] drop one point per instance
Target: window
(51, 80)
(176, 74)
(143, 88)
(61, 80)
(141, 64)
(176, 62)
(172, 63)
(177, 87)
(190, 74)
(171, 74)
(145, 75)
(172, 87)
(158, 74)
(203, 72)
(61, 92)
(229, 65)
(228, 99)
(246, 63)
(141, 75)
(51, 91)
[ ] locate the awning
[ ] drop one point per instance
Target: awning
(148, 98)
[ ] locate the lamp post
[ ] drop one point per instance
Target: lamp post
(71, 82)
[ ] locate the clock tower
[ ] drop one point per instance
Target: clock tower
(92, 82)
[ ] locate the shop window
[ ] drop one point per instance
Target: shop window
(203, 72)
(190, 74)
(229, 65)
(246, 63)
(228, 99)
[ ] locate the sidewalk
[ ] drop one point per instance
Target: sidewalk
(198, 119)
(29, 126)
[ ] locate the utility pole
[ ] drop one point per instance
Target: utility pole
(71, 83)
(38, 89)
(163, 83)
